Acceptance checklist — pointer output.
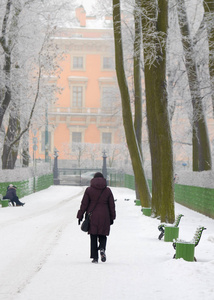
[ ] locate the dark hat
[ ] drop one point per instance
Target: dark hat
(98, 174)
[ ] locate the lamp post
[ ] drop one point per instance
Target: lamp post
(55, 168)
(34, 157)
(46, 135)
(104, 168)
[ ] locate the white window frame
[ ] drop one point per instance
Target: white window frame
(73, 68)
(111, 65)
(106, 132)
(75, 81)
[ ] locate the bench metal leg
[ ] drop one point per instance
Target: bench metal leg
(161, 235)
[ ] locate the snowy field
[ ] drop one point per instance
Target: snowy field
(45, 255)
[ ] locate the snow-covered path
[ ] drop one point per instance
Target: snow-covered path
(44, 254)
(28, 235)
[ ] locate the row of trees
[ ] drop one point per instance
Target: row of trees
(28, 59)
(151, 49)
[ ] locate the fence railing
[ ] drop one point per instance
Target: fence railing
(29, 186)
(196, 198)
(82, 110)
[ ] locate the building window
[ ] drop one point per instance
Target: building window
(107, 97)
(76, 137)
(106, 137)
(108, 63)
(77, 62)
(43, 141)
(77, 96)
(76, 140)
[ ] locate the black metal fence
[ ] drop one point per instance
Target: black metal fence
(83, 177)
(69, 176)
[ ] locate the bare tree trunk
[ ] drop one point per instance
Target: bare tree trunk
(9, 155)
(201, 146)
(126, 111)
(138, 122)
(209, 13)
(25, 150)
(137, 77)
(154, 26)
(7, 64)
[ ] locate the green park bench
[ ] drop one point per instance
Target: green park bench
(186, 250)
(4, 202)
(161, 227)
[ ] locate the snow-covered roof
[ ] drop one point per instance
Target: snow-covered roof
(82, 39)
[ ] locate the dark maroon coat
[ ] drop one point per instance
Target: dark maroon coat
(104, 211)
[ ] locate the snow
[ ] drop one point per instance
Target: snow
(203, 179)
(45, 255)
(88, 5)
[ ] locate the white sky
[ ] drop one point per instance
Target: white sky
(87, 5)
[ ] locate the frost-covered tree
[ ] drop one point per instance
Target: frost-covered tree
(131, 139)
(200, 140)
(28, 61)
(154, 32)
(209, 24)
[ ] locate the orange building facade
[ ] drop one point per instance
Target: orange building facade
(86, 119)
(86, 112)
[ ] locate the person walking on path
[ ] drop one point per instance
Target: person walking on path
(99, 199)
(11, 194)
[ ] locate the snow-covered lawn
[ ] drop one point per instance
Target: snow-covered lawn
(45, 255)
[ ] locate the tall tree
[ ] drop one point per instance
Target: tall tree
(154, 28)
(6, 45)
(137, 75)
(131, 138)
(208, 16)
(13, 128)
(138, 122)
(27, 50)
(10, 153)
(200, 140)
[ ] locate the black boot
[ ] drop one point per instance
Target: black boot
(20, 204)
(103, 255)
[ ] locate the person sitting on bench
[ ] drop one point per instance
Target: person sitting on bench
(11, 195)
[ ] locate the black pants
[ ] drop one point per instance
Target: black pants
(94, 244)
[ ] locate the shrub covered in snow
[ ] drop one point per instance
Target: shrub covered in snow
(202, 179)
(20, 174)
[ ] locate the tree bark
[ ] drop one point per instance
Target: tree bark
(138, 122)
(9, 154)
(137, 77)
(25, 150)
